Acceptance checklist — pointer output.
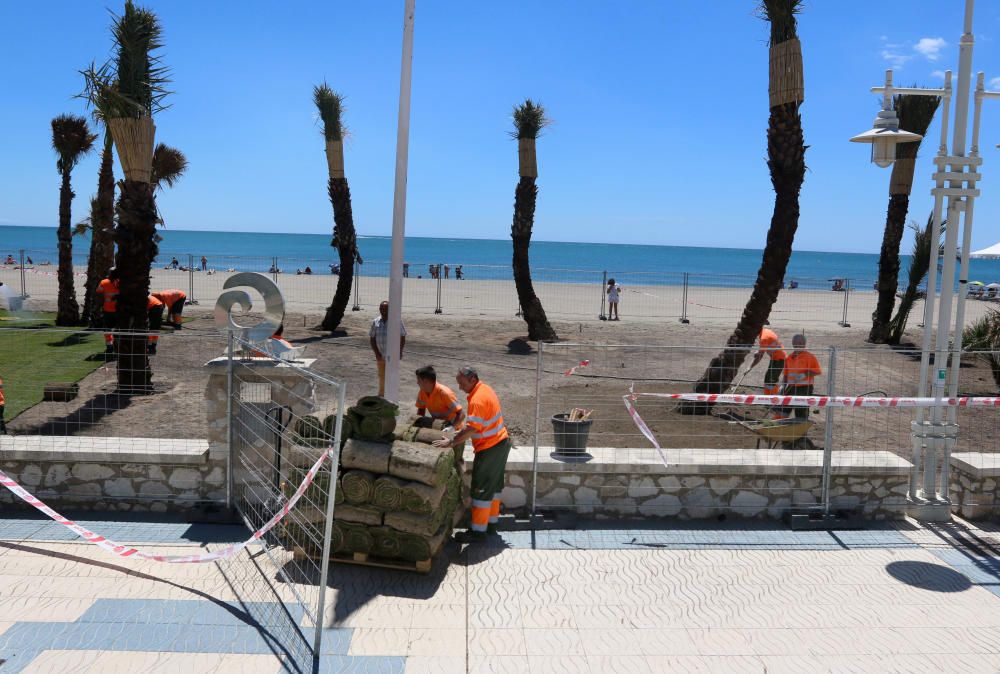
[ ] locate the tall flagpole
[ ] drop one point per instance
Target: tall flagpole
(399, 211)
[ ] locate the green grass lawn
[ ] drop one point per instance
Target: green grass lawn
(32, 356)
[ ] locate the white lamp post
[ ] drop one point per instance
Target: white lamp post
(955, 189)
(399, 212)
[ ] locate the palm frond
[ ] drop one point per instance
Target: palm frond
(781, 15)
(331, 107)
(133, 83)
(529, 119)
(71, 139)
(915, 115)
(169, 165)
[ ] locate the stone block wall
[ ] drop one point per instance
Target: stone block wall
(107, 485)
(974, 485)
(704, 484)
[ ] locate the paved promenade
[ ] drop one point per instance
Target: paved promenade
(730, 598)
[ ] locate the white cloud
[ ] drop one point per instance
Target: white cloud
(938, 74)
(894, 53)
(930, 47)
(994, 83)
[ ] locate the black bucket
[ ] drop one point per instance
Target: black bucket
(570, 436)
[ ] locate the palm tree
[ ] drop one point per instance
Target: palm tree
(983, 337)
(71, 139)
(529, 120)
(920, 263)
(169, 166)
(133, 89)
(331, 107)
(915, 115)
(100, 224)
(786, 162)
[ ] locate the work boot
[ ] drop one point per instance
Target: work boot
(491, 528)
(151, 348)
(470, 536)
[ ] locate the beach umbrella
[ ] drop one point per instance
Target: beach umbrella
(993, 285)
(975, 283)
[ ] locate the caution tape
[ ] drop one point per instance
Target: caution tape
(824, 401)
(572, 370)
(120, 550)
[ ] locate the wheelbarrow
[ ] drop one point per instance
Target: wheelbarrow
(778, 431)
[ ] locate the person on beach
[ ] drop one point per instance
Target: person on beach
(614, 290)
(378, 337)
(108, 290)
(204, 263)
(439, 401)
(174, 301)
(484, 425)
(799, 375)
(174, 263)
(29, 260)
(446, 269)
(458, 272)
(9, 260)
(3, 424)
(406, 270)
(770, 345)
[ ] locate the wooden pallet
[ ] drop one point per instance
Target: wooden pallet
(364, 559)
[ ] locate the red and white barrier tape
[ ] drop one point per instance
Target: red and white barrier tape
(125, 551)
(822, 401)
(572, 370)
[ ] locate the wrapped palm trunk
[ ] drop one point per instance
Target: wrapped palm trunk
(68, 310)
(135, 236)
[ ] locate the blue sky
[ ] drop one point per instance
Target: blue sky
(660, 112)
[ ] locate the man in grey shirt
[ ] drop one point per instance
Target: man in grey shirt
(378, 336)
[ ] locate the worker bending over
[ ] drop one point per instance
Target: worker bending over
(174, 301)
(108, 290)
(801, 370)
(484, 425)
(770, 345)
(440, 402)
(154, 310)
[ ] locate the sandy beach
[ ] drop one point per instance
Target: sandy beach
(716, 306)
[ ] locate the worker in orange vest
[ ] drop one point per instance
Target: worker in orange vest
(174, 301)
(770, 345)
(3, 424)
(154, 309)
(484, 425)
(108, 290)
(440, 402)
(799, 376)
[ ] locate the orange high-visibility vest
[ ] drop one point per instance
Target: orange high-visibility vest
(1, 392)
(770, 344)
(441, 403)
(801, 368)
(109, 290)
(170, 297)
(152, 302)
(485, 418)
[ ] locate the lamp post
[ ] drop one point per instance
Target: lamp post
(954, 189)
(393, 331)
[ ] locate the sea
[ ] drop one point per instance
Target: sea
(487, 258)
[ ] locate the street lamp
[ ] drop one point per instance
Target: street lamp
(954, 189)
(885, 133)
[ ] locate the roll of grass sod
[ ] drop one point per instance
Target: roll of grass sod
(363, 514)
(388, 493)
(421, 463)
(357, 537)
(358, 486)
(365, 455)
(386, 542)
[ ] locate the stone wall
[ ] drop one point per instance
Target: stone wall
(975, 478)
(137, 474)
(706, 483)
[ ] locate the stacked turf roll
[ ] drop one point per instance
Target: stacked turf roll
(395, 498)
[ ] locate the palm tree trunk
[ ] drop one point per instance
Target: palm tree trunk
(135, 236)
(786, 162)
(68, 310)
(345, 240)
(888, 267)
(525, 197)
(102, 245)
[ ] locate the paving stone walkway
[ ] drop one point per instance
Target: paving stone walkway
(733, 597)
